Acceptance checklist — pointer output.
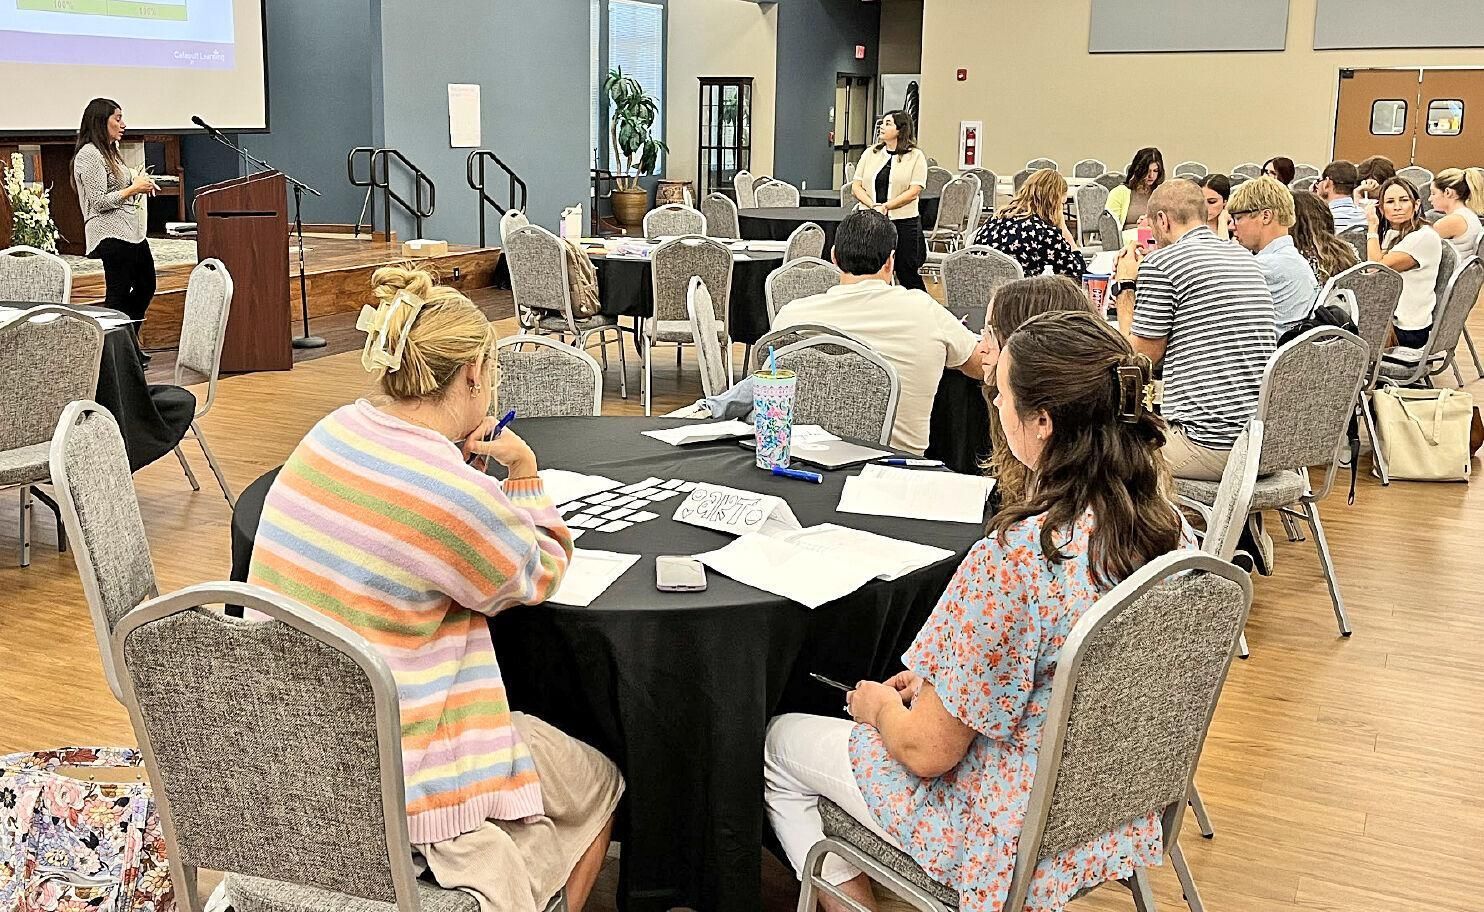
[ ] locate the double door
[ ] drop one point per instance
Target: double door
(1428, 117)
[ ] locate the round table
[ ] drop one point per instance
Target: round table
(626, 289)
(678, 688)
(777, 223)
(927, 205)
(820, 198)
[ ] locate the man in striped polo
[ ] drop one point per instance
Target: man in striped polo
(1198, 304)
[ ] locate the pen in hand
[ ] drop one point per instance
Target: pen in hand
(509, 417)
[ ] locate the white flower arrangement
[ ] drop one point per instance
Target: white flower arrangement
(30, 205)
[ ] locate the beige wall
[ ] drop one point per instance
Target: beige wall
(901, 36)
(719, 38)
(1039, 92)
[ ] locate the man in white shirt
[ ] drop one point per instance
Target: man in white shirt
(1337, 188)
(913, 332)
(1262, 212)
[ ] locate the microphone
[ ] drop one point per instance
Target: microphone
(196, 119)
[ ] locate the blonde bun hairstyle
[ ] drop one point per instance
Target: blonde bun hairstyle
(446, 335)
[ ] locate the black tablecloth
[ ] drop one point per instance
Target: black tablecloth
(626, 289)
(678, 688)
(927, 205)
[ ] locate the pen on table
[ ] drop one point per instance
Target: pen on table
(798, 475)
(916, 463)
(509, 417)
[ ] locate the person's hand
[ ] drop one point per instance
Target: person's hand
(1366, 188)
(1372, 220)
(1127, 269)
(880, 207)
(989, 356)
(908, 684)
(869, 700)
(507, 449)
(142, 184)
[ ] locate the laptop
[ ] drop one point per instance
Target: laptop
(829, 454)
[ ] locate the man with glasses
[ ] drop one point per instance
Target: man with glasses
(1337, 187)
(1262, 212)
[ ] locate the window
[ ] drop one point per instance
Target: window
(636, 43)
(1444, 117)
(1388, 117)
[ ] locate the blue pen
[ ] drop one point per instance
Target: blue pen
(798, 475)
(509, 417)
(922, 463)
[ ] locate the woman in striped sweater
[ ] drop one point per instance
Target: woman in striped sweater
(377, 521)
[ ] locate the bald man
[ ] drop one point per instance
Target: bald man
(1198, 304)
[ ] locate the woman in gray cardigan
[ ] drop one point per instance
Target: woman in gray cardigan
(110, 198)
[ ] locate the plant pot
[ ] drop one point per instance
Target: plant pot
(630, 206)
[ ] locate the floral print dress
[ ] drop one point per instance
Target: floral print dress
(990, 649)
(1034, 243)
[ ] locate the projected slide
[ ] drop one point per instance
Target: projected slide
(184, 34)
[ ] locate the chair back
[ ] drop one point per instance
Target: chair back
(511, 220)
(242, 723)
(988, 186)
(1191, 169)
(1234, 495)
(795, 279)
(1355, 237)
(1238, 180)
(1301, 171)
(1020, 178)
(1089, 168)
(1479, 250)
(49, 357)
(1417, 176)
(537, 261)
(958, 204)
(1377, 290)
(1110, 233)
(742, 184)
(704, 327)
(1447, 266)
(673, 220)
(1038, 164)
(847, 196)
(203, 326)
(781, 338)
(1111, 179)
(776, 194)
(543, 378)
(971, 276)
(807, 240)
(33, 276)
(675, 262)
(758, 180)
(100, 510)
(1308, 395)
(721, 216)
(1303, 184)
(1248, 170)
(1092, 200)
(843, 386)
(1458, 302)
(937, 179)
(1137, 682)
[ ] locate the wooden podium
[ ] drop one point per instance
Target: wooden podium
(244, 223)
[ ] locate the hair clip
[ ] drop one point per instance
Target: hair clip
(373, 321)
(1133, 392)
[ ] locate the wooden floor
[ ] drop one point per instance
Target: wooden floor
(1341, 774)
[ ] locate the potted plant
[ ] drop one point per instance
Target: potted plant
(632, 112)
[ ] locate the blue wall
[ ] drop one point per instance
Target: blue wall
(816, 43)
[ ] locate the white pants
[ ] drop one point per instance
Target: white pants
(804, 759)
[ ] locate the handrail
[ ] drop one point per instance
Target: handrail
(380, 179)
(477, 183)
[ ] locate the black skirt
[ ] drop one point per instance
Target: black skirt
(911, 252)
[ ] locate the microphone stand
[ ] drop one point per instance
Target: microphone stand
(306, 340)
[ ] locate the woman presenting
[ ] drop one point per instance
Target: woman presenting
(889, 179)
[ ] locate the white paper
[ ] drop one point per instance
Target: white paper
(589, 574)
(891, 558)
(617, 525)
(643, 516)
(913, 494)
(649, 482)
(734, 511)
(564, 487)
(463, 115)
(810, 433)
(698, 433)
(787, 570)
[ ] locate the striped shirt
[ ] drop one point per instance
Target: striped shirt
(100, 192)
(380, 525)
(1207, 299)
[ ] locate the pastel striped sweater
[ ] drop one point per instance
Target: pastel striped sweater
(379, 524)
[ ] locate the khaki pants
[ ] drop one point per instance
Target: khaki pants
(1191, 460)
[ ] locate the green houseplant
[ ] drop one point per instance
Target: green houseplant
(632, 112)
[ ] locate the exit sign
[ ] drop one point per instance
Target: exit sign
(860, 52)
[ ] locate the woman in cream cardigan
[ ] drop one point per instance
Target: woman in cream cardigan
(889, 179)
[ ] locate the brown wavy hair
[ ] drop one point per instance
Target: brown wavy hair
(93, 131)
(1042, 195)
(1066, 365)
(1314, 236)
(906, 132)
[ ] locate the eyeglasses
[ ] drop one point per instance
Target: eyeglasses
(1243, 213)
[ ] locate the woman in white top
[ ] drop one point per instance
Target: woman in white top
(889, 179)
(1412, 248)
(1459, 195)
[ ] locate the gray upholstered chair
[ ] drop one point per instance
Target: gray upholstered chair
(543, 378)
(959, 207)
(673, 220)
(1419, 177)
(1038, 164)
(782, 338)
(1112, 180)
(95, 495)
(203, 328)
(1110, 233)
(1308, 396)
(1356, 238)
(776, 194)
(843, 386)
(847, 197)
(798, 278)
(242, 724)
(49, 356)
(673, 264)
(1376, 291)
(1089, 168)
(33, 276)
(1459, 292)
(989, 184)
(937, 179)
(1020, 178)
(1228, 514)
(1238, 180)
(1137, 682)
(1091, 200)
(971, 275)
(1303, 184)
(721, 216)
(511, 220)
(1248, 170)
(539, 283)
(807, 240)
(742, 186)
(1191, 169)
(713, 364)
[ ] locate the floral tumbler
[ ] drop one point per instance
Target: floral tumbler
(773, 415)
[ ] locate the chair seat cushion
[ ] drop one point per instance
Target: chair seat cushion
(1398, 363)
(25, 465)
(1281, 489)
(675, 331)
(840, 825)
(555, 322)
(254, 894)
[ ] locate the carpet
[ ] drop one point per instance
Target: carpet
(167, 252)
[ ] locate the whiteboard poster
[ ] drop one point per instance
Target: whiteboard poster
(463, 115)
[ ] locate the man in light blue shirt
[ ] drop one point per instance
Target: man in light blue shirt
(1337, 188)
(1262, 212)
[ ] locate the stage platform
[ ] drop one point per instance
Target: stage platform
(338, 269)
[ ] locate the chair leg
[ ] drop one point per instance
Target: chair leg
(1378, 458)
(1242, 651)
(623, 367)
(731, 363)
(1202, 819)
(648, 376)
(216, 469)
(747, 358)
(1311, 512)
(1187, 882)
(1469, 341)
(190, 476)
(25, 525)
(1289, 526)
(1143, 895)
(1457, 374)
(56, 510)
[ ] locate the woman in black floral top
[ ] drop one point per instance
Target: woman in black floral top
(1032, 230)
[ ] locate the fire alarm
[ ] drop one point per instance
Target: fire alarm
(860, 52)
(963, 74)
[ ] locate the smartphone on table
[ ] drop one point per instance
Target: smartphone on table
(679, 574)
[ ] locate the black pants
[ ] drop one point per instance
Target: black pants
(129, 274)
(911, 252)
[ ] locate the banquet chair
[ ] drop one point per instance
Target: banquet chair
(971, 276)
(937, 179)
(1110, 234)
(1308, 395)
(959, 207)
(33, 276)
(1247, 170)
(782, 338)
(203, 328)
(673, 220)
(673, 264)
(988, 186)
(1089, 168)
(1020, 178)
(1191, 169)
(49, 356)
(807, 240)
(1406, 367)
(239, 723)
(798, 278)
(742, 184)
(1112, 180)
(539, 282)
(847, 197)
(1303, 184)
(1091, 200)
(702, 311)
(1376, 290)
(1238, 180)
(1356, 238)
(721, 216)
(776, 194)
(511, 220)
(757, 182)
(1301, 171)
(843, 386)
(1038, 164)
(1419, 177)
(1225, 517)
(543, 378)
(96, 497)
(1136, 684)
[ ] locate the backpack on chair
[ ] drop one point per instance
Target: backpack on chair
(582, 279)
